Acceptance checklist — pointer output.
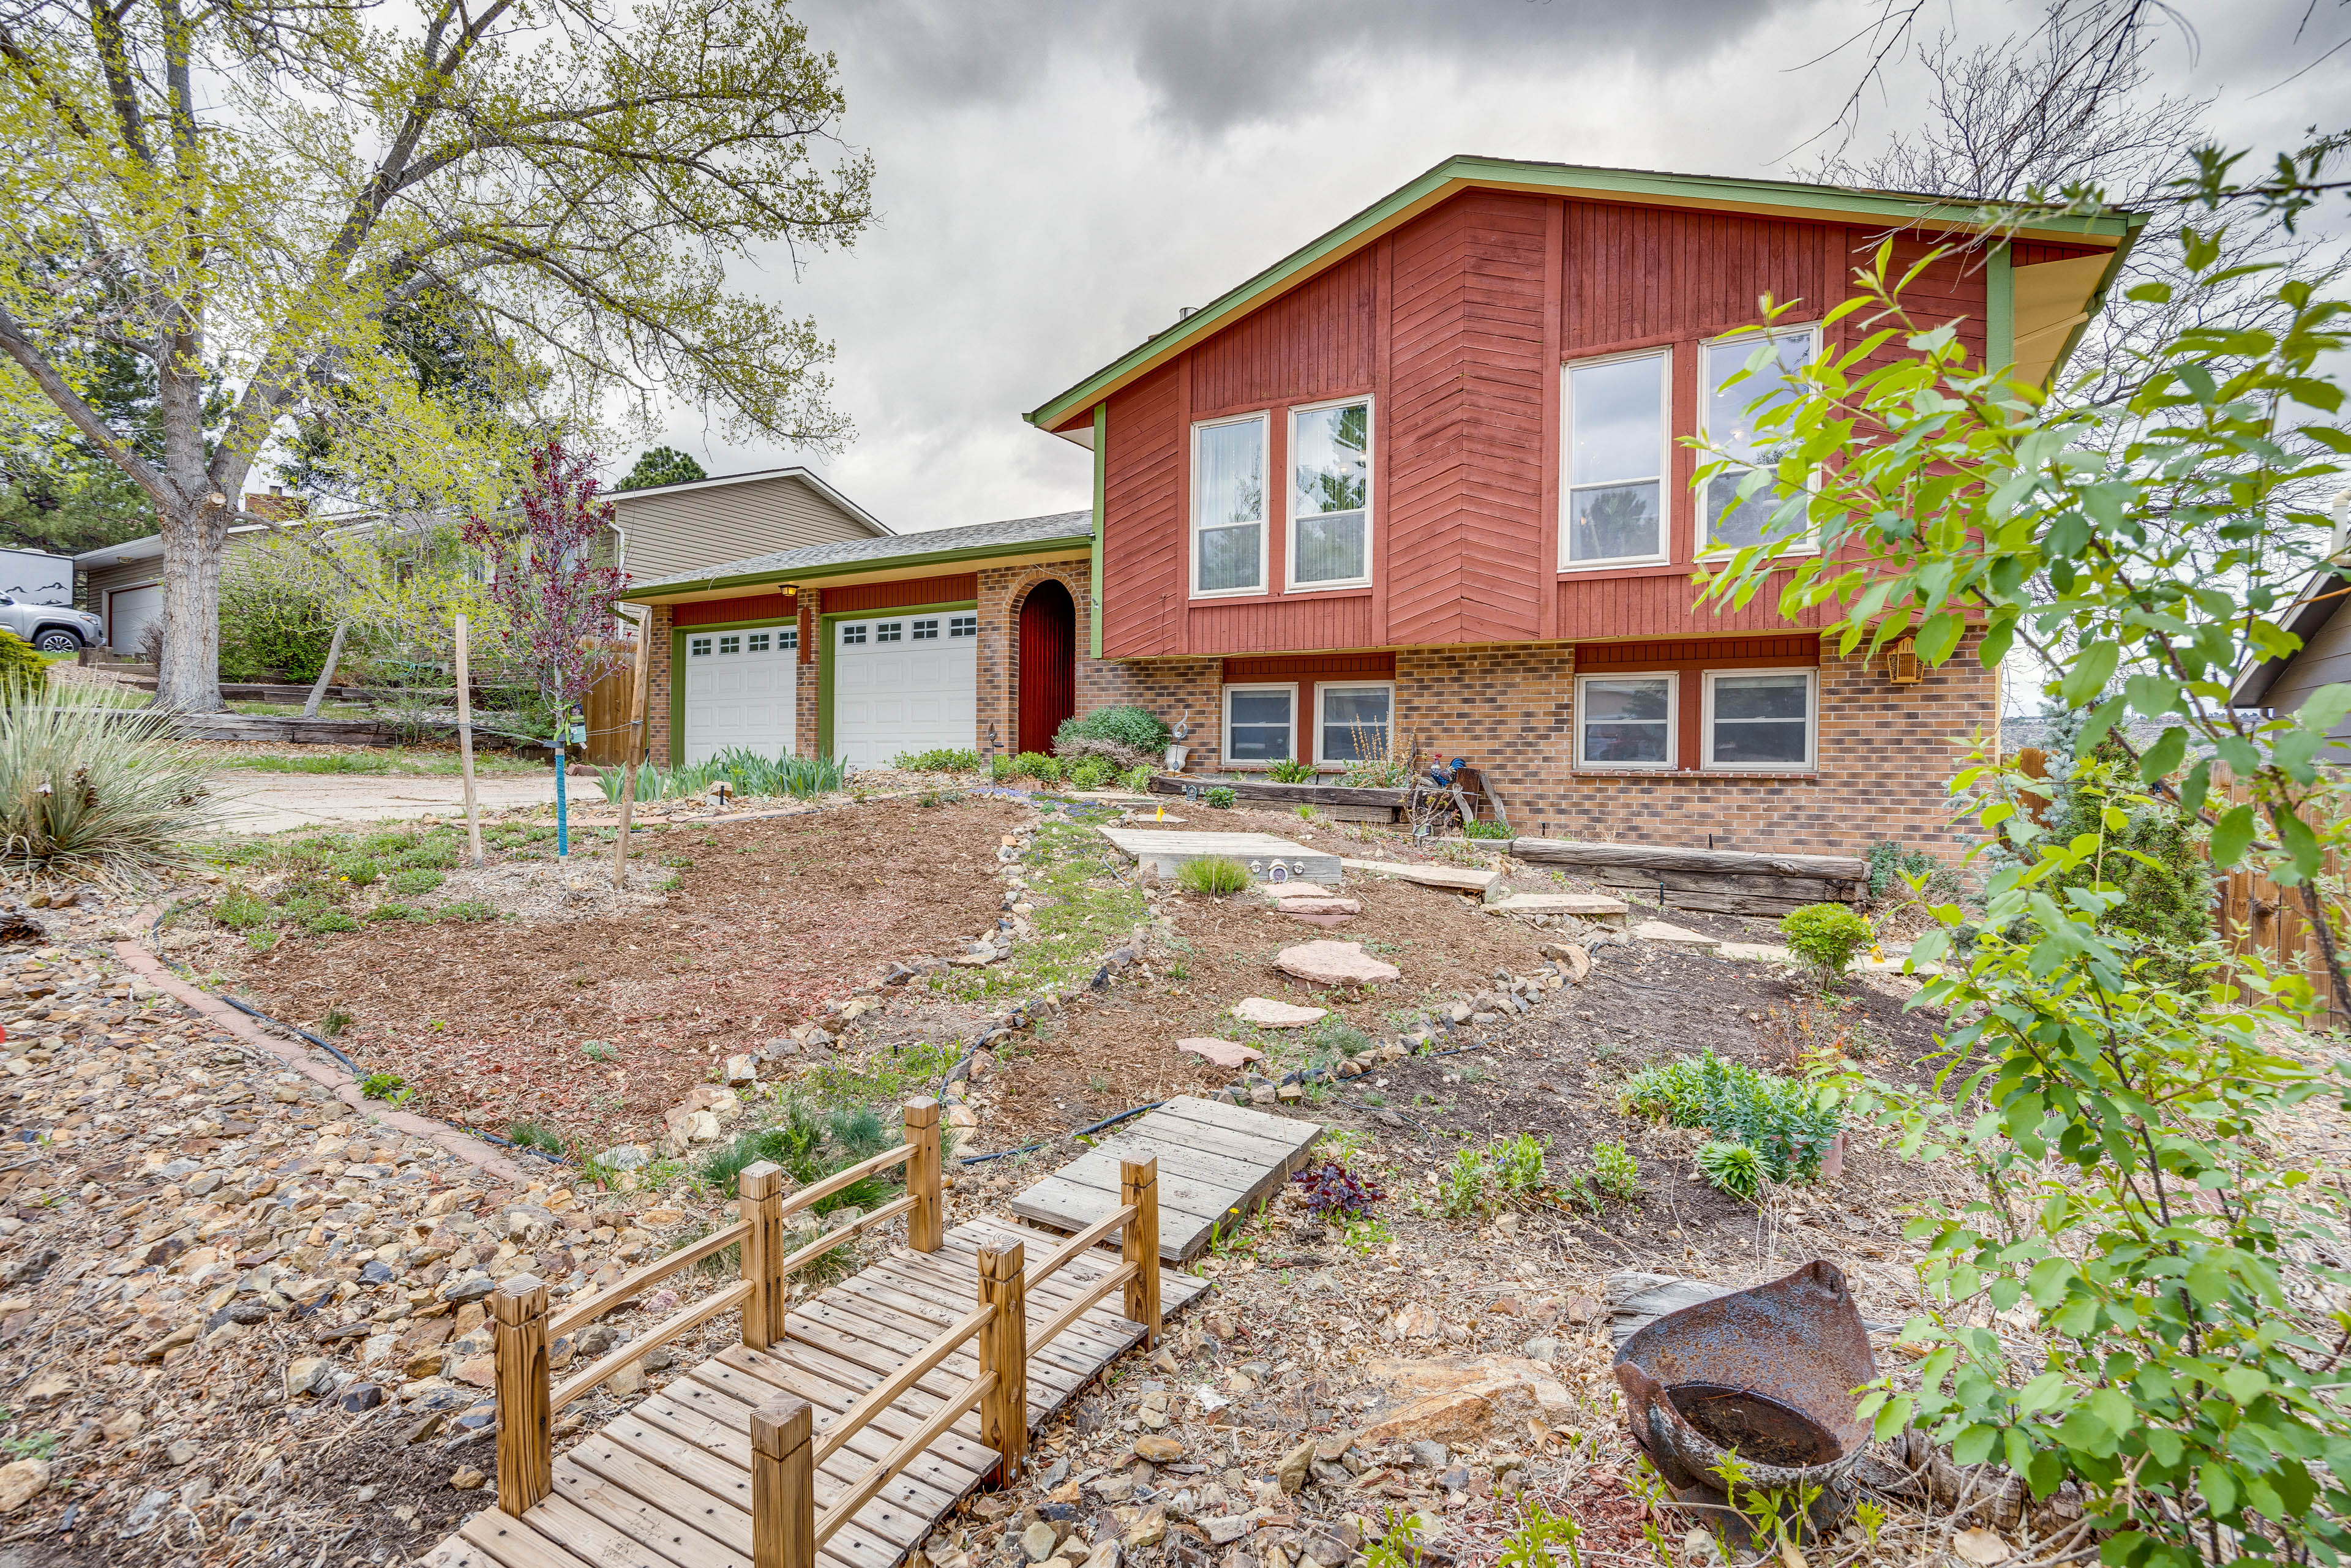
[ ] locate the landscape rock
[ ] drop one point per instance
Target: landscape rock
(1037, 1541)
(1293, 1471)
(1463, 1399)
(1335, 963)
(1417, 1319)
(21, 1483)
(1158, 1449)
(1267, 1013)
(741, 1070)
(1224, 1529)
(308, 1375)
(1222, 1052)
(1317, 903)
(1667, 935)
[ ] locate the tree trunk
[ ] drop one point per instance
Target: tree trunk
(187, 677)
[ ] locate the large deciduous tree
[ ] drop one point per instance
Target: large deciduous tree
(260, 194)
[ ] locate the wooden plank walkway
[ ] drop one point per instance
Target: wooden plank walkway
(1216, 1162)
(667, 1483)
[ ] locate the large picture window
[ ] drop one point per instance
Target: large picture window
(1728, 428)
(1624, 721)
(1356, 722)
(1330, 496)
(1618, 417)
(1229, 461)
(1760, 719)
(1261, 724)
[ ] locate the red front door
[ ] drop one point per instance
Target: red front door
(1048, 664)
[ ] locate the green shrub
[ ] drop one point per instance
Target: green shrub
(1518, 1165)
(811, 1146)
(1091, 773)
(1892, 868)
(1003, 769)
(1783, 1120)
(84, 782)
(1215, 875)
(1219, 799)
(1826, 935)
(1137, 779)
(416, 880)
(539, 1135)
(1289, 771)
(270, 627)
(1039, 766)
(1733, 1168)
(1336, 1034)
(327, 920)
(1133, 729)
(439, 853)
(467, 909)
(943, 759)
(397, 912)
(242, 911)
(1484, 830)
(360, 871)
(381, 1085)
(1466, 1191)
(1614, 1172)
(24, 673)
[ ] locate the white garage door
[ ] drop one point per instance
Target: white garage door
(128, 613)
(740, 691)
(905, 683)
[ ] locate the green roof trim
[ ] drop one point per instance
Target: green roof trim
(1629, 184)
(770, 577)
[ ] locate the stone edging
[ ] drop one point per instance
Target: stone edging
(142, 960)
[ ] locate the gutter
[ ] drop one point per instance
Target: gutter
(775, 576)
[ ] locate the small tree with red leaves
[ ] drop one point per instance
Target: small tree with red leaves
(555, 586)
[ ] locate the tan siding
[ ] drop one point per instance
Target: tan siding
(2324, 660)
(692, 530)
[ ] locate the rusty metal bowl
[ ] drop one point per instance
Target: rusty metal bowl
(1768, 1373)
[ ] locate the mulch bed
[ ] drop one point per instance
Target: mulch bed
(487, 1020)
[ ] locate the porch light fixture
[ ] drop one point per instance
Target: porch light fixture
(1902, 662)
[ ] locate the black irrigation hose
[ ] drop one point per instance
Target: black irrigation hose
(251, 1012)
(1073, 1132)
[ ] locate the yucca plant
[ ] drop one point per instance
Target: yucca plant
(88, 783)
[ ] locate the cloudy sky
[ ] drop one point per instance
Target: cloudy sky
(1057, 178)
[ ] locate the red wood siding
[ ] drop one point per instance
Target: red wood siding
(1143, 532)
(2032, 252)
(1329, 666)
(716, 611)
(905, 590)
(1457, 324)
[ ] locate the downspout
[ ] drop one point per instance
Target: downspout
(1101, 489)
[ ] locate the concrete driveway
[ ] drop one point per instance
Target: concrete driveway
(257, 802)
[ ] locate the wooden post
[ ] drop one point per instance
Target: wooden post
(925, 1222)
(1004, 1350)
(783, 1486)
(636, 734)
(760, 1191)
(326, 673)
(1138, 1243)
(525, 1445)
(465, 749)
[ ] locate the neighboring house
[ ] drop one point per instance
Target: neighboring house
(1423, 481)
(656, 531)
(2283, 684)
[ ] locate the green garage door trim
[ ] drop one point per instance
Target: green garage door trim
(677, 636)
(824, 657)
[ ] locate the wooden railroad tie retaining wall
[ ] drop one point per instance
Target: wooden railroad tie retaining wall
(1721, 881)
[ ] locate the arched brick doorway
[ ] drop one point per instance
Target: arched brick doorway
(1049, 664)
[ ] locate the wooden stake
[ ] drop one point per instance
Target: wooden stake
(1004, 1350)
(465, 749)
(783, 1486)
(925, 1222)
(518, 1341)
(318, 687)
(634, 743)
(1138, 1243)
(760, 1192)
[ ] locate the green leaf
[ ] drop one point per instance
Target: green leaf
(1975, 1445)
(2158, 760)
(2093, 666)
(2231, 835)
(1939, 635)
(2218, 1484)
(2245, 1383)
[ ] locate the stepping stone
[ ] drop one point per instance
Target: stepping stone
(1669, 936)
(1324, 905)
(1583, 906)
(1281, 892)
(1267, 1013)
(1222, 1052)
(1335, 963)
(1327, 922)
(1452, 878)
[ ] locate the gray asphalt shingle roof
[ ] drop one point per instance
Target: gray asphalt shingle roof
(1010, 534)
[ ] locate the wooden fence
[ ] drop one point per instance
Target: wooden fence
(2255, 916)
(606, 706)
(786, 1528)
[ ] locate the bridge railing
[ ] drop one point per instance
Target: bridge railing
(522, 1326)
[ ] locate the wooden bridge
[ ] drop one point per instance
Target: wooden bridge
(841, 1429)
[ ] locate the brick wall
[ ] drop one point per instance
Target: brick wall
(657, 685)
(1172, 688)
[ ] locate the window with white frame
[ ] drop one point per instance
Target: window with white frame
(852, 635)
(1354, 722)
(963, 625)
(731, 643)
(787, 639)
(1618, 422)
(1228, 459)
(927, 630)
(1330, 496)
(1734, 399)
(1624, 721)
(1760, 719)
(1261, 724)
(757, 642)
(889, 631)
(698, 647)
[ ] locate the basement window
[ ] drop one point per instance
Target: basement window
(1259, 725)
(1330, 495)
(1760, 719)
(1624, 721)
(1229, 462)
(1356, 722)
